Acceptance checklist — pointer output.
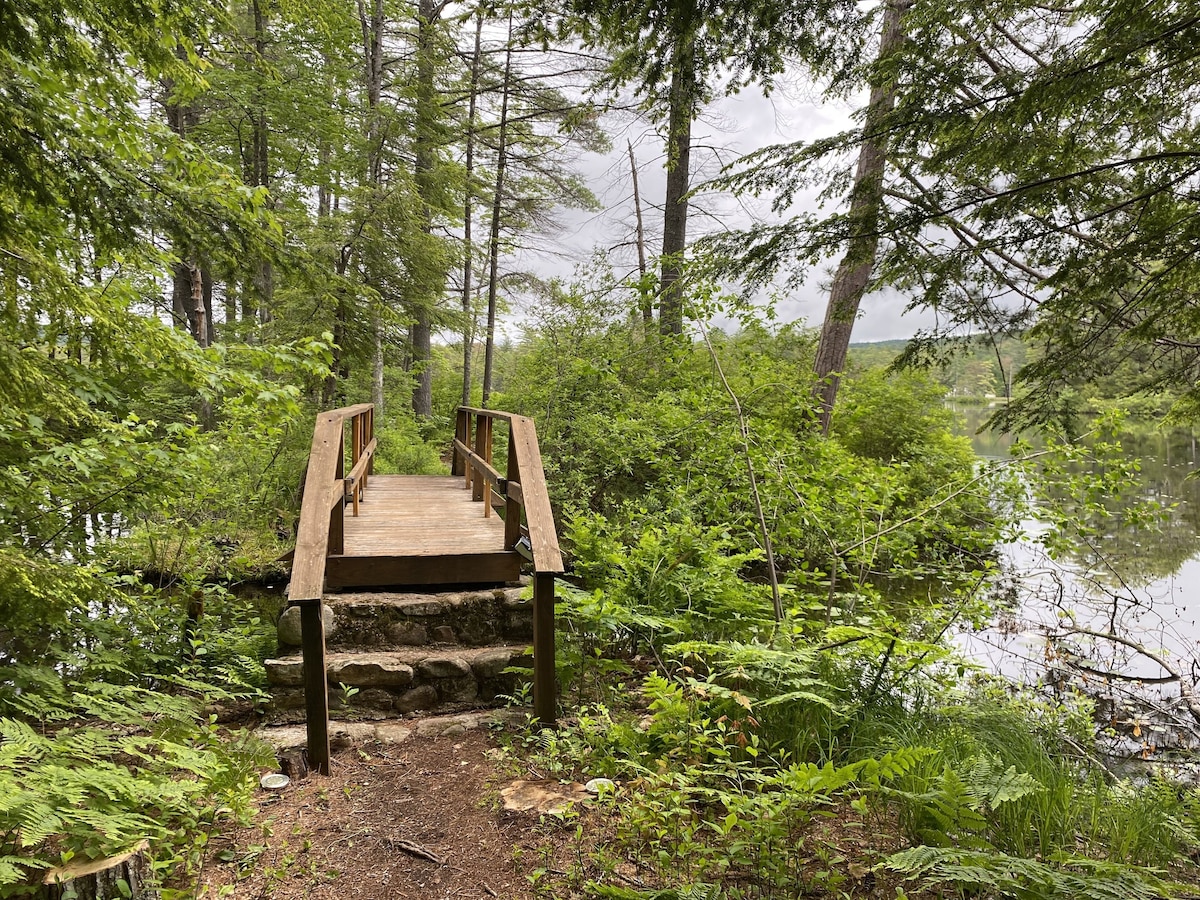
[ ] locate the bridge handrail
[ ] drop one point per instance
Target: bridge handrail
(524, 488)
(326, 488)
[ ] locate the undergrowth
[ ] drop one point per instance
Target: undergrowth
(114, 740)
(788, 766)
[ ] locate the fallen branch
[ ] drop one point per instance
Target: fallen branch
(418, 851)
(1185, 690)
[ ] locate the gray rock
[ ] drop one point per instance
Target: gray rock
(285, 737)
(444, 634)
(287, 700)
(352, 732)
(423, 697)
(377, 699)
(491, 663)
(444, 667)
(424, 607)
(408, 634)
(285, 672)
(392, 733)
(458, 690)
(364, 671)
(514, 601)
(289, 625)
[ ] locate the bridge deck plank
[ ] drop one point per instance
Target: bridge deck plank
(420, 515)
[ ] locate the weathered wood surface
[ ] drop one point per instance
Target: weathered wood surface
(481, 465)
(316, 689)
(122, 877)
(421, 529)
(545, 680)
(320, 531)
(524, 490)
(421, 515)
(539, 517)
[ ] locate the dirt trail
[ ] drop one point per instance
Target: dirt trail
(420, 819)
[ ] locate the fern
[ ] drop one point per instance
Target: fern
(15, 869)
(1070, 878)
(957, 808)
(95, 790)
(991, 786)
(894, 764)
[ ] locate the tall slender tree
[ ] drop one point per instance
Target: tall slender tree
(678, 55)
(853, 274)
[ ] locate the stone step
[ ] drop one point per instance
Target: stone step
(399, 681)
(384, 620)
(391, 731)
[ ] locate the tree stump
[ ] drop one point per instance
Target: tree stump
(101, 879)
(293, 762)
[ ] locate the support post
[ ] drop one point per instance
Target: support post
(316, 687)
(462, 432)
(512, 509)
(483, 439)
(337, 515)
(356, 441)
(545, 681)
(369, 437)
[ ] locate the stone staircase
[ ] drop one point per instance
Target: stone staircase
(396, 654)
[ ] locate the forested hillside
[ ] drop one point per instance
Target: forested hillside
(217, 219)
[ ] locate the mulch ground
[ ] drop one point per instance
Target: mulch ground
(415, 820)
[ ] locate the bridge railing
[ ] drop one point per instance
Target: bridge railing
(327, 487)
(523, 490)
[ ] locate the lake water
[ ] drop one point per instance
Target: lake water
(1141, 586)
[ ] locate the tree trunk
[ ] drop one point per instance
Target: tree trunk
(422, 355)
(468, 307)
(206, 286)
(181, 295)
(675, 205)
(866, 197)
(199, 317)
(124, 877)
(644, 294)
(423, 172)
(377, 361)
(264, 274)
(489, 351)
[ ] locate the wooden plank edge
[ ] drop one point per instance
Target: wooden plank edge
(62, 874)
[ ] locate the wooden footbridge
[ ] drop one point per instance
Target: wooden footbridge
(474, 526)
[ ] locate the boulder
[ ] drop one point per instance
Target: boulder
(289, 625)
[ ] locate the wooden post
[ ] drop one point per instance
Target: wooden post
(356, 441)
(462, 432)
(370, 437)
(512, 509)
(482, 439)
(545, 681)
(316, 687)
(337, 514)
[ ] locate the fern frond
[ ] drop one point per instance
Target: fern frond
(1028, 879)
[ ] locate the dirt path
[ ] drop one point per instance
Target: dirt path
(419, 819)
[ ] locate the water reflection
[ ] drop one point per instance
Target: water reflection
(1115, 616)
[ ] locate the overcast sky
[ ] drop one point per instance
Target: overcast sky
(732, 127)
